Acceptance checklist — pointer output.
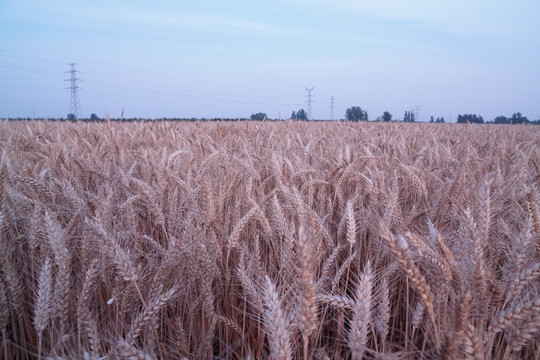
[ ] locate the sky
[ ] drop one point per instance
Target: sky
(231, 59)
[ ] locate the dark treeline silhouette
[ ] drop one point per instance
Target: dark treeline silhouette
(354, 114)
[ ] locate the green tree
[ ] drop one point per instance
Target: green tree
(517, 118)
(258, 116)
(386, 116)
(356, 113)
(470, 118)
(94, 117)
(301, 115)
(293, 115)
(409, 116)
(501, 119)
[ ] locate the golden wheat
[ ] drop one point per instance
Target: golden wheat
(283, 240)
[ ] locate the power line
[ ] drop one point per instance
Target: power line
(123, 67)
(74, 105)
(39, 64)
(309, 101)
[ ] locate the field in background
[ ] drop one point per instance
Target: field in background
(269, 240)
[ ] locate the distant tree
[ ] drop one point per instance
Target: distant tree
(517, 118)
(470, 118)
(293, 115)
(386, 116)
(409, 116)
(356, 113)
(258, 116)
(431, 119)
(440, 120)
(501, 120)
(94, 117)
(301, 115)
(71, 117)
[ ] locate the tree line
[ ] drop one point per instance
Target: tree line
(354, 113)
(516, 118)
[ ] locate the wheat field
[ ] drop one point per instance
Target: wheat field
(269, 240)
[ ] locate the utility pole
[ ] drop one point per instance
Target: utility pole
(309, 101)
(74, 105)
(417, 112)
(331, 107)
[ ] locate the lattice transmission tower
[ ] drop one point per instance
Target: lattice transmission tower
(309, 101)
(74, 104)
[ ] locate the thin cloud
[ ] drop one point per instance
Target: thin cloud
(460, 17)
(183, 20)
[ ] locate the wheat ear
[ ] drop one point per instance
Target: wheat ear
(57, 240)
(307, 312)
(361, 319)
(414, 275)
(239, 227)
(341, 302)
(277, 322)
(351, 223)
(525, 333)
(128, 351)
(382, 320)
(84, 315)
(148, 313)
(521, 280)
(516, 313)
(42, 306)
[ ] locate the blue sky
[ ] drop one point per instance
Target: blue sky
(234, 58)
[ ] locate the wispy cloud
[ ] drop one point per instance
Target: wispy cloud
(461, 17)
(178, 19)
